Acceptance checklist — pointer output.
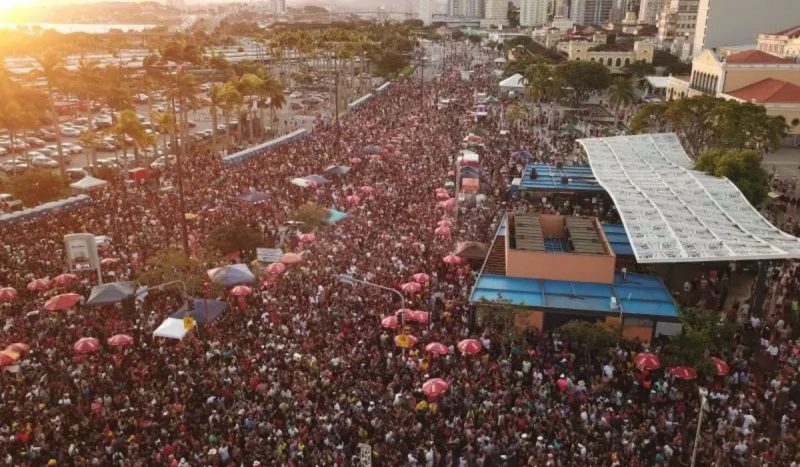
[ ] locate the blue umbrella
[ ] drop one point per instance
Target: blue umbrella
(253, 197)
(229, 276)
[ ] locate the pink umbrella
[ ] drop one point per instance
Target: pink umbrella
(38, 285)
(353, 200)
(683, 372)
(412, 341)
(18, 347)
(65, 279)
(435, 387)
(120, 340)
(276, 268)
(453, 259)
(411, 287)
(444, 223)
(469, 346)
(291, 258)
(8, 294)
(442, 231)
(241, 291)
(418, 316)
(86, 345)
(421, 278)
(389, 322)
(437, 348)
(720, 366)
(448, 204)
(442, 196)
(109, 261)
(647, 361)
(403, 311)
(307, 237)
(355, 160)
(61, 302)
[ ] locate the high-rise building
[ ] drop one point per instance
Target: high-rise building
(739, 22)
(533, 12)
(426, 11)
(620, 9)
(676, 24)
(590, 11)
(496, 11)
(277, 6)
(466, 8)
(649, 10)
(477, 8)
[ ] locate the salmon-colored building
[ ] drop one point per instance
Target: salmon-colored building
(553, 269)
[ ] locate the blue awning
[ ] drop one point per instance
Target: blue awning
(637, 294)
(549, 178)
(205, 311)
(618, 238)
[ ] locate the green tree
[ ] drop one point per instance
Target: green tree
(86, 83)
(593, 338)
(236, 236)
(639, 69)
(37, 186)
(311, 215)
(621, 93)
(583, 77)
(51, 68)
(173, 265)
(538, 75)
(704, 332)
(390, 63)
(741, 166)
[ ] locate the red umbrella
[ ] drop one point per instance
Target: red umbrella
(86, 345)
(353, 200)
(7, 358)
(18, 347)
(412, 341)
(291, 258)
(65, 279)
(418, 316)
(389, 322)
(120, 340)
(421, 278)
(647, 361)
(241, 291)
(721, 367)
(435, 387)
(437, 348)
(469, 346)
(442, 231)
(453, 259)
(276, 268)
(38, 285)
(411, 287)
(307, 237)
(683, 372)
(442, 196)
(444, 223)
(7, 294)
(109, 261)
(62, 302)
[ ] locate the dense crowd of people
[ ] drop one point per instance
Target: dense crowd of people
(304, 374)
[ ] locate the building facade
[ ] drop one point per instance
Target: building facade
(496, 12)
(426, 11)
(533, 13)
(737, 22)
(676, 25)
(784, 43)
(585, 12)
(649, 10)
(613, 56)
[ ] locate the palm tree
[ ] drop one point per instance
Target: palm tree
(215, 102)
(272, 91)
(249, 85)
(51, 68)
(129, 126)
(621, 93)
(86, 85)
(89, 139)
(153, 75)
(231, 100)
(538, 77)
(165, 121)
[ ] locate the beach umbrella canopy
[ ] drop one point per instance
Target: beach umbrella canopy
(411, 287)
(437, 348)
(453, 259)
(8, 294)
(307, 237)
(61, 302)
(65, 279)
(291, 258)
(253, 197)
(683, 372)
(418, 316)
(231, 275)
(389, 322)
(86, 345)
(8, 357)
(276, 268)
(412, 341)
(37, 285)
(336, 170)
(435, 387)
(421, 278)
(469, 346)
(647, 361)
(18, 347)
(355, 160)
(110, 293)
(442, 196)
(720, 366)
(448, 204)
(442, 231)
(120, 340)
(241, 291)
(109, 261)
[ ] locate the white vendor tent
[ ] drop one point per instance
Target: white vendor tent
(171, 328)
(88, 183)
(513, 83)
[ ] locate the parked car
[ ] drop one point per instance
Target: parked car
(34, 142)
(51, 153)
(72, 148)
(70, 132)
(163, 161)
(82, 121)
(28, 156)
(46, 135)
(105, 146)
(296, 95)
(11, 167)
(43, 162)
(3, 152)
(140, 98)
(110, 163)
(9, 203)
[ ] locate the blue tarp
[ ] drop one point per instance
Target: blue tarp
(336, 170)
(360, 101)
(205, 311)
(548, 178)
(524, 154)
(638, 294)
(45, 209)
(618, 238)
(335, 216)
(261, 149)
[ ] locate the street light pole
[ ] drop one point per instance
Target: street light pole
(336, 99)
(350, 280)
(703, 403)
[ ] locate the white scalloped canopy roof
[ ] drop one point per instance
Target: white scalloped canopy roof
(675, 214)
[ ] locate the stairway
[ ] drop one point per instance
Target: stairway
(495, 263)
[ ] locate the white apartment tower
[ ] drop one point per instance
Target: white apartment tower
(497, 11)
(426, 11)
(649, 10)
(533, 13)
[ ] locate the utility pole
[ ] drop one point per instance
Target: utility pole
(179, 165)
(703, 393)
(336, 105)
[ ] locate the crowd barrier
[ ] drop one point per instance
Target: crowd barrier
(360, 101)
(261, 149)
(383, 87)
(52, 207)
